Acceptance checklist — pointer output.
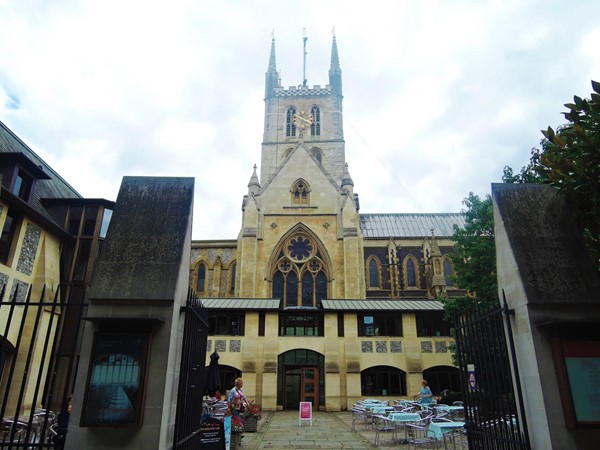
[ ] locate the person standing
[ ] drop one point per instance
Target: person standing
(236, 399)
(426, 394)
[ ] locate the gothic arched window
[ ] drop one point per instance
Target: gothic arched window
(232, 277)
(373, 277)
(299, 278)
(448, 272)
(315, 127)
(411, 277)
(201, 278)
(290, 128)
(300, 193)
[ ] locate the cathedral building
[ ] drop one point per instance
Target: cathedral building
(315, 301)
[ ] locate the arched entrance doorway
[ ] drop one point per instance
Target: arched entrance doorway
(300, 378)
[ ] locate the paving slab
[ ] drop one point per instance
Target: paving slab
(281, 430)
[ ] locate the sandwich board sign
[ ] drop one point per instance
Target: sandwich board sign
(305, 413)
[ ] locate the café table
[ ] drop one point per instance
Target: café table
(438, 429)
(402, 419)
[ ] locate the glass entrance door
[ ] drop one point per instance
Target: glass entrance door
(310, 385)
(301, 385)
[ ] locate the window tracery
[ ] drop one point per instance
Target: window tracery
(315, 127)
(300, 193)
(299, 277)
(290, 128)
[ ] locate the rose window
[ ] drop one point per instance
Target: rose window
(299, 248)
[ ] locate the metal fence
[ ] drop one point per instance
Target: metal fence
(491, 391)
(191, 375)
(37, 367)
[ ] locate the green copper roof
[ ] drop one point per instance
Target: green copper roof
(382, 305)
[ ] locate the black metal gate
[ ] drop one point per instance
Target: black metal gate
(38, 362)
(191, 376)
(491, 391)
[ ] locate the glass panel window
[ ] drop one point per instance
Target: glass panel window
(8, 233)
(448, 272)
(105, 222)
(291, 290)
(432, 324)
(380, 324)
(23, 185)
(382, 380)
(301, 325)
(74, 220)
(232, 279)
(373, 274)
(89, 220)
(226, 324)
(411, 278)
(201, 280)
(83, 257)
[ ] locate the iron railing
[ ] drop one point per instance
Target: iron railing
(37, 367)
(191, 376)
(489, 393)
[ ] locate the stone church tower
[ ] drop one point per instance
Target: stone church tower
(300, 220)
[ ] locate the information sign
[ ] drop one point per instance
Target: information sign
(305, 413)
(212, 435)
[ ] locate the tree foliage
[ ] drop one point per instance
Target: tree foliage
(474, 255)
(570, 161)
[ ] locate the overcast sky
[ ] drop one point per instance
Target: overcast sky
(438, 95)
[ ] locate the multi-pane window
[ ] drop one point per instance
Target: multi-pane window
(301, 325)
(226, 324)
(299, 277)
(315, 127)
(382, 380)
(290, 127)
(300, 193)
(380, 324)
(432, 324)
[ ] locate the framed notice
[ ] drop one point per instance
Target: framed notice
(305, 413)
(578, 372)
(116, 378)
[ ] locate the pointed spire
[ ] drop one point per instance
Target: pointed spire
(272, 64)
(272, 76)
(335, 72)
(253, 184)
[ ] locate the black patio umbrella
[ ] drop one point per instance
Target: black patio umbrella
(212, 379)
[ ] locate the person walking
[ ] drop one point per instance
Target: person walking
(236, 399)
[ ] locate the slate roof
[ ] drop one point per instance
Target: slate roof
(382, 305)
(409, 225)
(53, 187)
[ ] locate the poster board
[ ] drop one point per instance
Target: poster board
(212, 434)
(114, 394)
(577, 363)
(305, 413)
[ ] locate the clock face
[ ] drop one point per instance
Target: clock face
(302, 119)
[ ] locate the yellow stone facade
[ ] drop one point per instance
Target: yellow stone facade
(312, 296)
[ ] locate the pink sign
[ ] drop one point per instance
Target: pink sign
(305, 412)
